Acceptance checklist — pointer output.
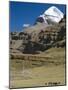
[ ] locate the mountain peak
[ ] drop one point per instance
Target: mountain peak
(52, 14)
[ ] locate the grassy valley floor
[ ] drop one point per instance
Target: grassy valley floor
(37, 73)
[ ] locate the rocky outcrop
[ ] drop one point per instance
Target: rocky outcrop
(41, 37)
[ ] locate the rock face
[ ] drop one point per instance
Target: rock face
(39, 37)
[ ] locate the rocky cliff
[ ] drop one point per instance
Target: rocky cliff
(39, 37)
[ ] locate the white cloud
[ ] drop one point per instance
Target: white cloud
(26, 25)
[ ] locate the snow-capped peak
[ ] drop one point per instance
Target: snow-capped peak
(54, 14)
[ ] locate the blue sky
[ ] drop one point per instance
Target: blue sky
(26, 13)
